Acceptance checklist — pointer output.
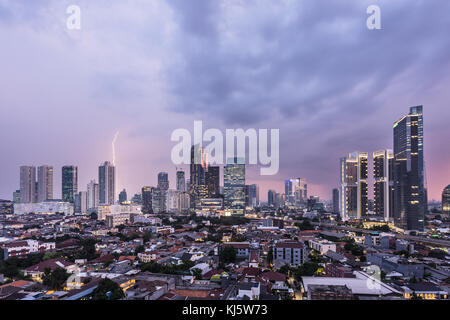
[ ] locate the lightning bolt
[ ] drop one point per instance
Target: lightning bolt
(116, 135)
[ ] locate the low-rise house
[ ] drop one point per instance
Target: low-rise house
(36, 272)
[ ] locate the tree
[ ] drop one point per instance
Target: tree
(307, 269)
(197, 273)
(270, 256)
(55, 279)
(108, 290)
(227, 254)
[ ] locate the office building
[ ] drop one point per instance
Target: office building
(213, 181)
(163, 187)
(383, 188)
(81, 203)
(234, 185)
(198, 189)
(446, 200)
(123, 196)
(271, 198)
(27, 184)
(336, 201)
(409, 171)
(69, 183)
(353, 202)
(45, 183)
(16, 196)
(92, 195)
(181, 181)
(107, 184)
(147, 199)
(252, 196)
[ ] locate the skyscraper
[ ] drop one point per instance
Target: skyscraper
(45, 183)
(446, 200)
(198, 188)
(163, 180)
(253, 196)
(290, 188)
(92, 195)
(107, 184)
(336, 201)
(271, 198)
(383, 188)
(123, 196)
(181, 181)
(16, 196)
(353, 202)
(409, 171)
(69, 183)
(163, 187)
(234, 185)
(213, 181)
(147, 194)
(27, 184)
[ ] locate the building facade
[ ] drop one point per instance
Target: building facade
(234, 185)
(353, 202)
(69, 183)
(409, 171)
(383, 188)
(107, 184)
(45, 183)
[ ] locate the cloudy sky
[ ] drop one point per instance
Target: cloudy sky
(310, 68)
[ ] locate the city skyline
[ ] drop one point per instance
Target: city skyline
(347, 102)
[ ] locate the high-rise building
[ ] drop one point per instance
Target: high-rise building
(198, 189)
(16, 196)
(251, 196)
(409, 171)
(163, 181)
(27, 184)
(181, 181)
(336, 200)
(80, 202)
(157, 201)
(296, 191)
(107, 184)
(163, 186)
(147, 199)
(123, 196)
(213, 181)
(353, 202)
(383, 188)
(69, 183)
(45, 183)
(290, 187)
(92, 195)
(234, 185)
(446, 200)
(271, 198)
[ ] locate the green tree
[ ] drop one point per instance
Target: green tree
(108, 290)
(197, 273)
(227, 254)
(55, 279)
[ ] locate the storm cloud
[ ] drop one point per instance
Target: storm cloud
(310, 68)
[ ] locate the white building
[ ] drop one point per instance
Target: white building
(47, 207)
(322, 246)
(106, 210)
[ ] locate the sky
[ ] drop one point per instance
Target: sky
(310, 68)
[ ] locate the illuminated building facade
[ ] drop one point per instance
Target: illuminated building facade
(409, 171)
(383, 188)
(446, 200)
(353, 202)
(234, 185)
(69, 183)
